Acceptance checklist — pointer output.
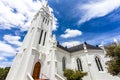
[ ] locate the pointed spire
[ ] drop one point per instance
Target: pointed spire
(116, 41)
(85, 47)
(54, 38)
(54, 41)
(45, 2)
(102, 44)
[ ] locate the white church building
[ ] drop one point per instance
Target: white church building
(42, 58)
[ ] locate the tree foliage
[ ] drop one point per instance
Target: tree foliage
(114, 63)
(4, 72)
(74, 75)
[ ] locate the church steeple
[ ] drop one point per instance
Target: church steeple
(46, 7)
(36, 45)
(43, 20)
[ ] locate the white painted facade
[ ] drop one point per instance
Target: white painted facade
(88, 63)
(40, 46)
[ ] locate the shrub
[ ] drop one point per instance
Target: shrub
(74, 75)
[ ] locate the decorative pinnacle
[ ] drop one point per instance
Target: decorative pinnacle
(45, 2)
(116, 41)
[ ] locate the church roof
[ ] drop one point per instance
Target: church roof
(64, 48)
(76, 48)
(79, 47)
(92, 47)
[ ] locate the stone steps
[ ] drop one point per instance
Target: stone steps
(41, 79)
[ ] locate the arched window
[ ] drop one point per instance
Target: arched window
(46, 21)
(43, 19)
(79, 64)
(98, 63)
(63, 63)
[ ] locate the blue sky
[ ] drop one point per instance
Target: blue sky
(93, 21)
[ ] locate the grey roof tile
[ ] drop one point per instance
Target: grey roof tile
(78, 47)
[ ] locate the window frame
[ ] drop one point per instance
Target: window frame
(41, 33)
(63, 63)
(79, 64)
(98, 63)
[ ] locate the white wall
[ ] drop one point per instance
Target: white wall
(59, 55)
(88, 63)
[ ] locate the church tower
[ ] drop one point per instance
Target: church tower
(36, 56)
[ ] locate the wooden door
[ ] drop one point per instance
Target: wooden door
(36, 71)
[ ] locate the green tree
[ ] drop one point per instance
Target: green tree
(74, 75)
(114, 63)
(4, 72)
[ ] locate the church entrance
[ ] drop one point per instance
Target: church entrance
(36, 71)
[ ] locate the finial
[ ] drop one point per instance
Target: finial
(116, 41)
(102, 44)
(54, 38)
(45, 2)
(85, 42)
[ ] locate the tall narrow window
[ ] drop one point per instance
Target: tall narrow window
(40, 36)
(63, 63)
(44, 39)
(79, 64)
(43, 19)
(98, 63)
(48, 22)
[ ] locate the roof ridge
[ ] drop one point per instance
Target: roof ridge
(78, 47)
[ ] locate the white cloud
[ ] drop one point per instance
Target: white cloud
(5, 64)
(105, 38)
(70, 43)
(3, 58)
(25, 11)
(12, 39)
(6, 48)
(6, 51)
(98, 9)
(16, 14)
(69, 33)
